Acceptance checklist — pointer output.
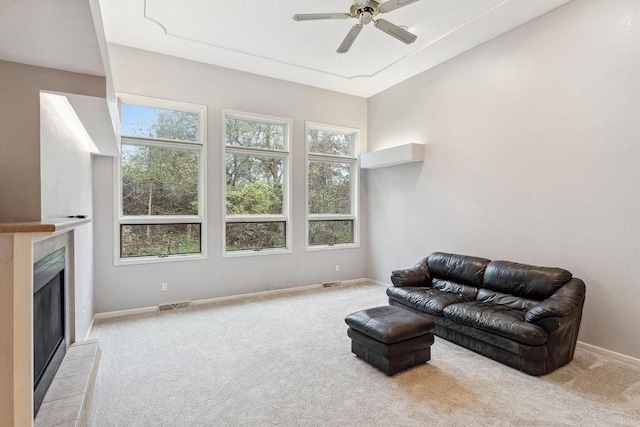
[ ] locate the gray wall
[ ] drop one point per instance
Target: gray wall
(532, 156)
(20, 86)
(150, 74)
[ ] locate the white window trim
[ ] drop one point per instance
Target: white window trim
(285, 154)
(200, 145)
(355, 186)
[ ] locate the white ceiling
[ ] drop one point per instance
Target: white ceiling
(52, 34)
(261, 37)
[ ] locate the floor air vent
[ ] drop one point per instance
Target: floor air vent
(174, 305)
(331, 284)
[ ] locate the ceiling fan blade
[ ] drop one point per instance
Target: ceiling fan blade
(351, 37)
(395, 31)
(316, 16)
(390, 5)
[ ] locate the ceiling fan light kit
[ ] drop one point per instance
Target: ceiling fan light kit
(366, 12)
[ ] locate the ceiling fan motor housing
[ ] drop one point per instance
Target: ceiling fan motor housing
(366, 11)
(365, 18)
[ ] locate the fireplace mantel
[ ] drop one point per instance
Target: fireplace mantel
(49, 226)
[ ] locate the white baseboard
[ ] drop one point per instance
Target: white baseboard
(609, 353)
(375, 282)
(120, 313)
(275, 292)
(256, 294)
(355, 282)
(86, 337)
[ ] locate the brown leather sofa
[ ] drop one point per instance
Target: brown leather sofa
(524, 316)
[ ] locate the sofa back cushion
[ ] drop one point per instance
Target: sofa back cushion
(526, 281)
(459, 274)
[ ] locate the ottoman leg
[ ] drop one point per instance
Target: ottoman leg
(394, 365)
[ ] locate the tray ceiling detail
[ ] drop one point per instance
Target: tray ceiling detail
(261, 37)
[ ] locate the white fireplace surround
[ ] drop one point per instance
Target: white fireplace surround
(28, 248)
(46, 245)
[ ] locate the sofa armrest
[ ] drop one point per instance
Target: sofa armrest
(418, 275)
(564, 302)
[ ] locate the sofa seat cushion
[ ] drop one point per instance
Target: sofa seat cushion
(429, 300)
(497, 319)
(511, 301)
(469, 293)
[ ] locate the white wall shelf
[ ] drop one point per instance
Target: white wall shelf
(406, 153)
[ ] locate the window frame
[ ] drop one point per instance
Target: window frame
(355, 185)
(201, 145)
(285, 154)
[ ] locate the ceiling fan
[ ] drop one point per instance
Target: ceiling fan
(365, 11)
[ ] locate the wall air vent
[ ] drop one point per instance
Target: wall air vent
(174, 305)
(331, 284)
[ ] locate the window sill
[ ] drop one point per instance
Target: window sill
(157, 259)
(332, 247)
(236, 254)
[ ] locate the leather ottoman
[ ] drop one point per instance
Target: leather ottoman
(390, 338)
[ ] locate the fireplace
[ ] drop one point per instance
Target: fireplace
(49, 345)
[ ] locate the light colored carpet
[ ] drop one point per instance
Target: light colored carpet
(286, 361)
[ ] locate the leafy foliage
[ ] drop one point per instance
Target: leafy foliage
(325, 142)
(254, 134)
(253, 198)
(329, 187)
(330, 232)
(160, 239)
(157, 123)
(255, 235)
(254, 182)
(160, 181)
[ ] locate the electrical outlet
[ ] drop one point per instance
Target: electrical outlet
(164, 287)
(337, 268)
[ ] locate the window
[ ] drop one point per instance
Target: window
(160, 180)
(332, 182)
(256, 184)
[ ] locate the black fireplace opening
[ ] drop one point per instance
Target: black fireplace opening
(48, 323)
